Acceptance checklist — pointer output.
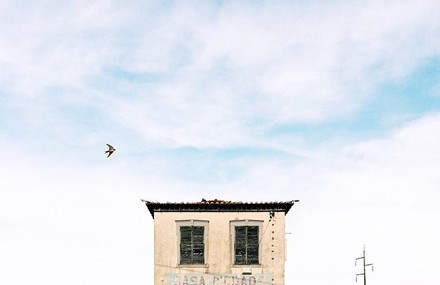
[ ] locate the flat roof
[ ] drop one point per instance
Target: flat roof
(218, 206)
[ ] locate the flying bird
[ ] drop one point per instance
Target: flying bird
(110, 150)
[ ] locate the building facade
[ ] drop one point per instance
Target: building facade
(219, 242)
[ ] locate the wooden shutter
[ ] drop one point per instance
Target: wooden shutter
(246, 246)
(192, 246)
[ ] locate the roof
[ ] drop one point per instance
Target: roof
(219, 206)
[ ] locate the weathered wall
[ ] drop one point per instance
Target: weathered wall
(218, 255)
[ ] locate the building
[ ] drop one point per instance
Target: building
(219, 242)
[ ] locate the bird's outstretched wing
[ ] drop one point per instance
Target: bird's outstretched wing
(110, 147)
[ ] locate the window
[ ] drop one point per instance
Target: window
(191, 237)
(246, 242)
(192, 247)
(246, 245)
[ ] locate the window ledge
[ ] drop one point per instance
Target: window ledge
(192, 265)
(246, 265)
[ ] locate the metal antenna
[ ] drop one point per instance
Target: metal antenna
(364, 266)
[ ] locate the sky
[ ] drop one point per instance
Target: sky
(333, 103)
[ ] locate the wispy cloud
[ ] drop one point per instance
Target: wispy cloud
(250, 69)
(242, 68)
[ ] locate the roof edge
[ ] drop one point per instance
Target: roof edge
(218, 206)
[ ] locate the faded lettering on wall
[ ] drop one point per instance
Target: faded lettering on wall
(218, 279)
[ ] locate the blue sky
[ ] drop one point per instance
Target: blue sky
(334, 103)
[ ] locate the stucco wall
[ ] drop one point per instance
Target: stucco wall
(218, 255)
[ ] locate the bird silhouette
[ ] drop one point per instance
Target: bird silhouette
(110, 150)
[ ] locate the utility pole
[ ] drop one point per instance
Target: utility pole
(364, 263)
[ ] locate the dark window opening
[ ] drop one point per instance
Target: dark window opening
(192, 246)
(246, 246)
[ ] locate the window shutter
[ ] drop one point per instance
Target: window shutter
(185, 245)
(246, 246)
(252, 244)
(198, 245)
(192, 247)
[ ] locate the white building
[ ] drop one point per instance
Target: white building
(219, 242)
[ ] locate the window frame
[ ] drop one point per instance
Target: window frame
(246, 223)
(192, 223)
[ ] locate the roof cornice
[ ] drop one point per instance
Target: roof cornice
(219, 206)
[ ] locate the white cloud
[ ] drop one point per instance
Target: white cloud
(64, 214)
(248, 69)
(234, 71)
(386, 198)
(233, 68)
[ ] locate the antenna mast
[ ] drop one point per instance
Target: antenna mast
(364, 266)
